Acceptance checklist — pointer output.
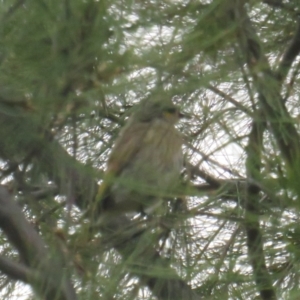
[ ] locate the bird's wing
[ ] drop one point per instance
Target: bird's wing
(126, 147)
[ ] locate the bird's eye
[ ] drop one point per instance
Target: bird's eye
(171, 110)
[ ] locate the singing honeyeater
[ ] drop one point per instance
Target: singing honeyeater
(145, 163)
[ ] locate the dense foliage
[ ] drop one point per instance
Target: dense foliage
(71, 72)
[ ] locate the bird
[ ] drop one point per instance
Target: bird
(146, 160)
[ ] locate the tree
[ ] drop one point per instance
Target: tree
(70, 74)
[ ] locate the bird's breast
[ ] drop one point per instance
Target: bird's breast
(159, 159)
(154, 170)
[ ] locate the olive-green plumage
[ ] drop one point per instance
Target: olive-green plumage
(145, 163)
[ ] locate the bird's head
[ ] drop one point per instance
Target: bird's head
(163, 109)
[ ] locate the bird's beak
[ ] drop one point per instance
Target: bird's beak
(183, 116)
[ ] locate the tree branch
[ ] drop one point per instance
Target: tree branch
(57, 163)
(138, 248)
(16, 271)
(269, 97)
(53, 282)
(29, 140)
(230, 99)
(290, 54)
(274, 110)
(252, 214)
(13, 9)
(284, 6)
